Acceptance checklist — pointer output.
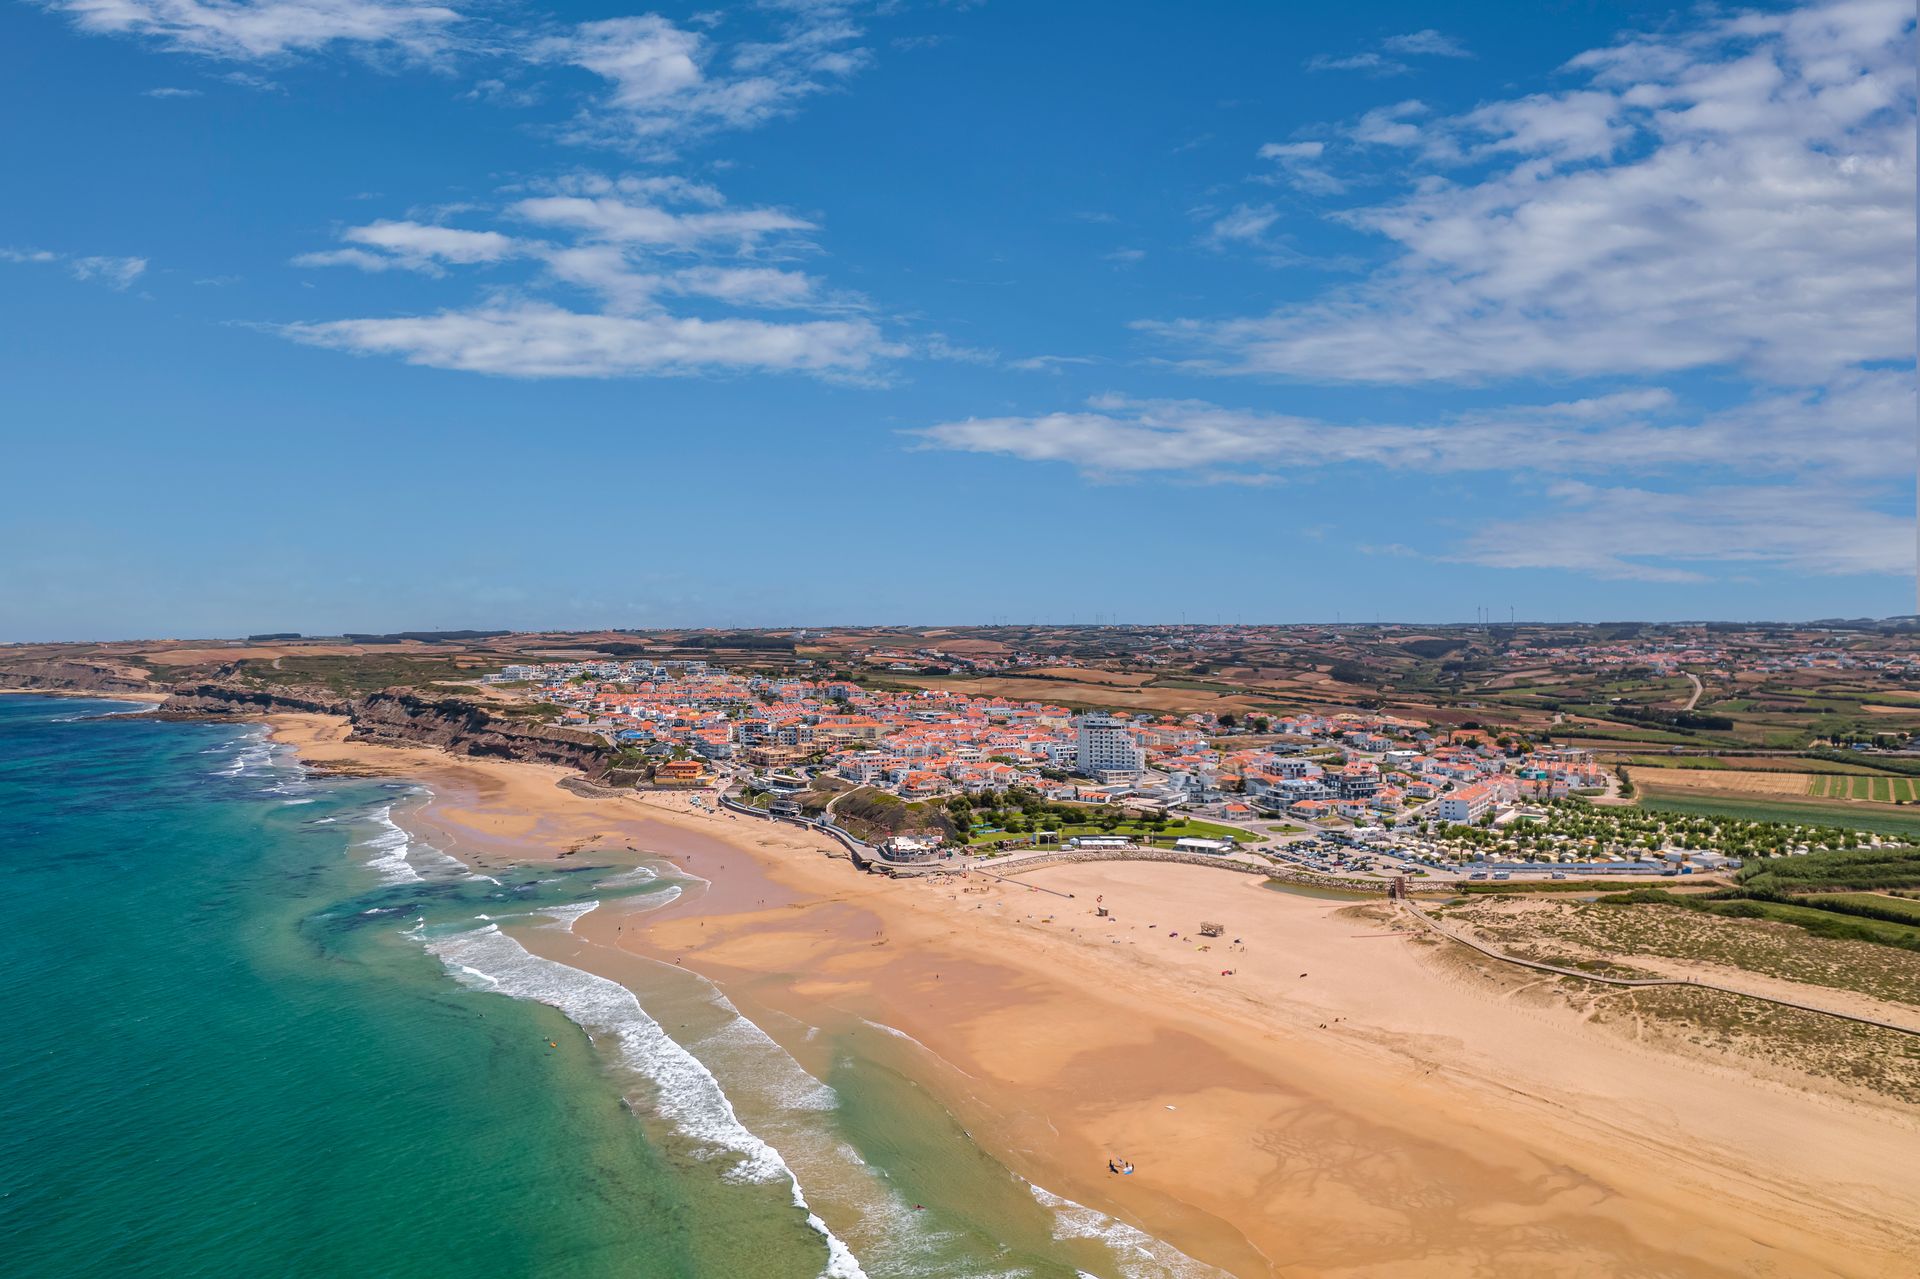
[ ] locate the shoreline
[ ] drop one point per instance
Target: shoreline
(1333, 1120)
(143, 695)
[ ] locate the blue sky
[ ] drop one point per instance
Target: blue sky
(363, 314)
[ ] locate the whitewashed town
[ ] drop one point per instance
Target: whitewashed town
(1333, 793)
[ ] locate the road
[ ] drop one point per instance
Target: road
(1697, 690)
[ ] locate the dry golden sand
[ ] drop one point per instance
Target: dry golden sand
(1346, 1102)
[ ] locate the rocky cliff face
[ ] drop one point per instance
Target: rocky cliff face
(234, 701)
(85, 677)
(410, 717)
(402, 717)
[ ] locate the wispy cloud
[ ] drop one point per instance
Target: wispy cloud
(1299, 164)
(114, 272)
(632, 246)
(1647, 535)
(1245, 224)
(666, 82)
(1385, 60)
(1823, 454)
(1848, 430)
(1739, 198)
(537, 340)
(1426, 44)
(266, 29)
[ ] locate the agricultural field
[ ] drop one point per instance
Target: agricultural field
(1726, 780)
(1905, 907)
(1805, 812)
(1875, 789)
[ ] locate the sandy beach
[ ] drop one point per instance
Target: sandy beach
(1326, 1097)
(88, 694)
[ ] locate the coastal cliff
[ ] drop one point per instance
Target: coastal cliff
(402, 717)
(410, 717)
(58, 675)
(233, 701)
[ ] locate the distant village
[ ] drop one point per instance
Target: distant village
(1367, 770)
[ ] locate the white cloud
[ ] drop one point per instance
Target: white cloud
(1741, 198)
(170, 92)
(1846, 433)
(667, 81)
(1242, 225)
(635, 245)
(414, 246)
(533, 340)
(1048, 363)
(747, 286)
(1414, 44)
(259, 29)
(1299, 164)
(1428, 44)
(1849, 430)
(1390, 126)
(114, 272)
(1835, 442)
(1369, 61)
(1675, 537)
(619, 220)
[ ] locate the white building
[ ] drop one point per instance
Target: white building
(1468, 804)
(1107, 749)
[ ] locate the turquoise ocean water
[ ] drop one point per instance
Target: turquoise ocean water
(252, 1029)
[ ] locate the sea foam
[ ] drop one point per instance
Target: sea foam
(1140, 1255)
(688, 1095)
(389, 847)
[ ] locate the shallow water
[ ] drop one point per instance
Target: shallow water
(259, 1029)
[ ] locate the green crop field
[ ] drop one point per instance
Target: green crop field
(1902, 906)
(1878, 788)
(1803, 812)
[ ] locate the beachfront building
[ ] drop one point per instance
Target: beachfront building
(1469, 803)
(1107, 749)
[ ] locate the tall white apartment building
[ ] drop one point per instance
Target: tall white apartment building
(1107, 750)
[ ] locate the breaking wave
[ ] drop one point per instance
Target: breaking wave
(688, 1095)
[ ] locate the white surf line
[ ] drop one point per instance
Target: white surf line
(564, 917)
(637, 875)
(389, 846)
(688, 1094)
(1139, 1254)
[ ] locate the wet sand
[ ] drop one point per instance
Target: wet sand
(1347, 1101)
